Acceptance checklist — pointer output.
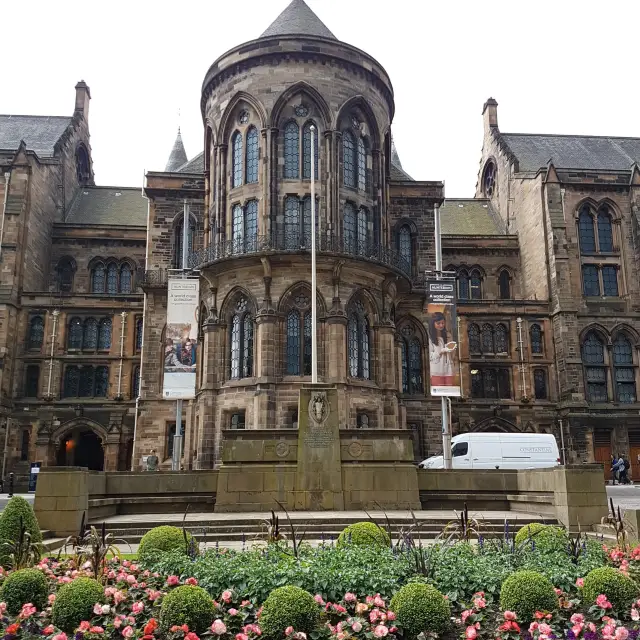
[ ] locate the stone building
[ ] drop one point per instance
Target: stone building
(249, 197)
(70, 306)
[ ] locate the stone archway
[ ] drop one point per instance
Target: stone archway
(496, 424)
(81, 448)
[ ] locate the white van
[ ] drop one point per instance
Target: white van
(499, 451)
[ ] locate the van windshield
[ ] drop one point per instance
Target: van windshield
(460, 449)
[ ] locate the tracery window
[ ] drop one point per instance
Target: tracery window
(487, 339)
(349, 159)
(489, 382)
(125, 279)
(135, 383)
(358, 342)
(411, 349)
(405, 248)
(624, 371)
(112, 278)
(362, 165)
(36, 333)
(85, 381)
(595, 368)
(245, 227)
(298, 324)
(90, 334)
(504, 284)
(463, 286)
(489, 179)
(475, 285)
(75, 335)
(139, 330)
(349, 227)
(501, 338)
(291, 150)
(236, 152)
(241, 341)
(104, 334)
(306, 151)
(253, 155)
(473, 334)
(535, 337)
(98, 278)
(540, 384)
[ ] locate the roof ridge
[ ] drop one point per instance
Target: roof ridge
(107, 186)
(26, 115)
(570, 135)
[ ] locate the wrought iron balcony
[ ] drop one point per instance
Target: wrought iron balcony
(298, 243)
(153, 278)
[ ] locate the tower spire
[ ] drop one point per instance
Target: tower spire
(298, 19)
(178, 155)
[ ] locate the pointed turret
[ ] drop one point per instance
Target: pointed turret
(178, 155)
(395, 158)
(298, 20)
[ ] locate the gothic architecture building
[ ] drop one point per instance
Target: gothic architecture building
(545, 257)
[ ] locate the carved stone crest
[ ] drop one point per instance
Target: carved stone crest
(318, 407)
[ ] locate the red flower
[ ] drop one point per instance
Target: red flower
(13, 628)
(150, 627)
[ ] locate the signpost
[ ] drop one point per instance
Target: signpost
(34, 470)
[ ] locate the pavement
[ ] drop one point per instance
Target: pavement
(627, 496)
(4, 498)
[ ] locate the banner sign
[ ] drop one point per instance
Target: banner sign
(34, 470)
(181, 338)
(442, 328)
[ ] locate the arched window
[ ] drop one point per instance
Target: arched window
(83, 169)
(405, 245)
(540, 384)
(605, 231)
(241, 356)
(348, 159)
(586, 231)
(291, 150)
(473, 333)
(104, 334)
(504, 283)
(253, 155)
(299, 338)
(358, 337)
(411, 362)
(362, 165)
(36, 333)
(135, 383)
(502, 338)
(489, 179)
(98, 278)
(349, 227)
(245, 227)
(112, 278)
(590, 280)
(125, 279)
(291, 222)
(594, 367)
(535, 337)
(306, 220)
(139, 330)
(475, 285)
(363, 230)
(66, 269)
(71, 388)
(463, 285)
(178, 241)
(74, 338)
(90, 334)
(624, 372)
(306, 151)
(487, 339)
(236, 147)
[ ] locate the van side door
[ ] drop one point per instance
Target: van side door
(460, 456)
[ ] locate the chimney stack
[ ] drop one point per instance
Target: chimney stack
(83, 95)
(490, 114)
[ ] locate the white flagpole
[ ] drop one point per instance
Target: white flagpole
(314, 341)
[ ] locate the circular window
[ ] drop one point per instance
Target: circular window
(489, 180)
(244, 117)
(302, 111)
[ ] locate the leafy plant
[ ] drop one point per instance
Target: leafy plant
(16, 517)
(288, 606)
(272, 525)
(295, 537)
(190, 605)
(615, 519)
(463, 527)
(369, 534)
(21, 552)
(421, 608)
(95, 547)
(75, 542)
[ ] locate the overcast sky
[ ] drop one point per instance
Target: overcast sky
(562, 66)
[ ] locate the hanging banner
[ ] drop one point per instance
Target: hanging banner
(442, 328)
(181, 339)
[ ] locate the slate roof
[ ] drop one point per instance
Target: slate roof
(573, 152)
(116, 206)
(40, 133)
(298, 19)
(470, 217)
(178, 155)
(195, 165)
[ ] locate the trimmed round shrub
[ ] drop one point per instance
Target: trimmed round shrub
(421, 607)
(26, 585)
(17, 509)
(620, 590)
(364, 534)
(526, 592)
(288, 607)
(75, 601)
(163, 538)
(542, 535)
(188, 605)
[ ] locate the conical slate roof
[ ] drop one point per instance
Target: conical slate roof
(298, 19)
(395, 158)
(178, 155)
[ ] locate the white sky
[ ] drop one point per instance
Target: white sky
(562, 66)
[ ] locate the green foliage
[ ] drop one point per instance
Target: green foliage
(421, 608)
(526, 592)
(619, 589)
(17, 513)
(543, 536)
(364, 534)
(75, 601)
(162, 539)
(26, 585)
(188, 605)
(288, 606)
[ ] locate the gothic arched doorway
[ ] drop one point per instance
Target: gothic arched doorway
(81, 448)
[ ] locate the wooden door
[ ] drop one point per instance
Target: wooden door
(602, 451)
(634, 461)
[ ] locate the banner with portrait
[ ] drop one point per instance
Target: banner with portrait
(181, 337)
(442, 329)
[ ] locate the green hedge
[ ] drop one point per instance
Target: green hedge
(620, 590)
(162, 539)
(16, 509)
(188, 605)
(526, 592)
(364, 534)
(75, 601)
(288, 607)
(421, 608)
(543, 536)
(21, 587)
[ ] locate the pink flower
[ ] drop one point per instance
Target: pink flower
(622, 633)
(128, 632)
(97, 630)
(374, 616)
(350, 597)
(608, 630)
(318, 598)
(191, 581)
(105, 609)
(479, 603)
(357, 626)
(635, 615)
(510, 615)
(378, 601)
(242, 636)
(218, 627)
(380, 631)
(60, 636)
(592, 627)
(577, 629)
(470, 633)
(27, 610)
(172, 581)
(602, 602)
(544, 628)
(191, 636)
(465, 614)
(391, 615)
(227, 595)
(97, 609)
(131, 579)
(136, 608)
(580, 583)
(117, 623)
(361, 607)
(52, 599)
(288, 631)
(577, 618)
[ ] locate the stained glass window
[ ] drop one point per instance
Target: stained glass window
(291, 150)
(487, 339)
(358, 339)
(590, 280)
(404, 245)
(610, 280)
(348, 159)
(90, 340)
(101, 382)
(306, 219)
(241, 342)
(473, 333)
(504, 282)
(605, 232)
(135, 388)
(405, 366)
(354, 346)
(247, 352)
(415, 366)
(362, 165)
(586, 232)
(540, 384)
(253, 155)
(251, 225)
(306, 345)
(306, 151)
(476, 285)
(125, 279)
(625, 376)
(489, 179)
(36, 333)
(139, 330)
(87, 381)
(291, 222)
(596, 376)
(293, 343)
(363, 230)
(463, 285)
(104, 334)
(32, 379)
(112, 278)
(535, 336)
(71, 382)
(235, 346)
(502, 338)
(98, 279)
(491, 383)
(236, 146)
(237, 230)
(349, 228)
(74, 339)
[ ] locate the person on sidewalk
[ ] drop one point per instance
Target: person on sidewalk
(614, 469)
(152, 461)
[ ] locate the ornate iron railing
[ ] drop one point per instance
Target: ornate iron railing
(153, 278)
(297, 243)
